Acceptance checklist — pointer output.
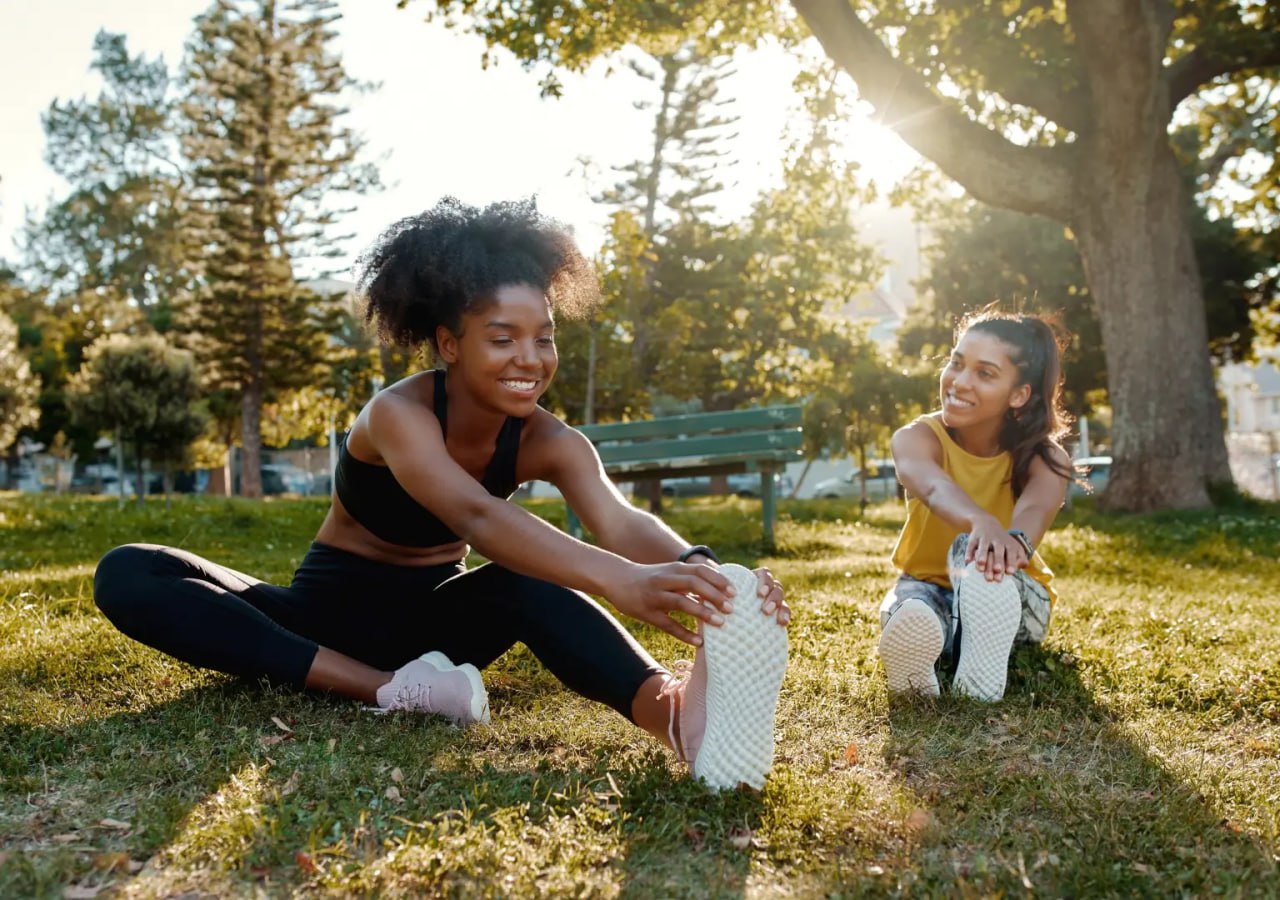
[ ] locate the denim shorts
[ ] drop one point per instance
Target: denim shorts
(1036, 606)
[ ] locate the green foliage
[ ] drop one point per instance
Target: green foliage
(745, 304)
(124, 232)
(19, 389)
(597, 381)
(571, 35)
(1134, 754)
(858, 398)
(144, 391)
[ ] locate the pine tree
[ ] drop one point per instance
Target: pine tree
(672, 186)
(268, 153)
(122, 234)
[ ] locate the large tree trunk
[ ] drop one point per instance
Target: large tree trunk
(251, 441)
(1130, 210)
(1167, 432)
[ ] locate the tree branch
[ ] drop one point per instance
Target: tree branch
(1257, 49)
(995, 171)
(1033, 90)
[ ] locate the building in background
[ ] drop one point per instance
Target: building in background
(1253, 424)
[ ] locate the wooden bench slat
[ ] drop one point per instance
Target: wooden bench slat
(707, 448)
(696, 423)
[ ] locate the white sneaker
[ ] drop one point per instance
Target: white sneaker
(744, 661)
(433, 684)
(989, 613)
(910, 645)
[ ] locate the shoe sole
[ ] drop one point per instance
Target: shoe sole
(746, 661)
(989, 613)
(910, 645)
(479, 695)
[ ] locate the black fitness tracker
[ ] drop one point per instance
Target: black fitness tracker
(702, 549)
(1021, 537)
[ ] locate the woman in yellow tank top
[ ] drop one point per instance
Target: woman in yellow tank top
(985, 477)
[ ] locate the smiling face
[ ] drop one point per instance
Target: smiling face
(980, 384)
(505, 355)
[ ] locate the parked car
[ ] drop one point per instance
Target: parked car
(882, 483)
(1095, 470)
(744, 484)
(284, 478)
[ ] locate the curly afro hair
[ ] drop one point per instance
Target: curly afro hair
(432, 268)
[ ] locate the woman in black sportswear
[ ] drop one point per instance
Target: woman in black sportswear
(382, 608)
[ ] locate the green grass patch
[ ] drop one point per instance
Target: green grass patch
(1137, 752)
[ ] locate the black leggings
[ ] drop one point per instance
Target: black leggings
(383, 615)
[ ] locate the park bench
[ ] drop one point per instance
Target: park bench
(760, 440)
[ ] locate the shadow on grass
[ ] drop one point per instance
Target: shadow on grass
(232, 784)
(1047, 791)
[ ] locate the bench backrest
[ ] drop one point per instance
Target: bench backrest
(765, 433)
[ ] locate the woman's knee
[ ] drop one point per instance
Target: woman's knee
(119, 574)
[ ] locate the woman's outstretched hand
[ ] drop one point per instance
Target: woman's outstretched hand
(772, 600)
(994, 551)
(653, 592)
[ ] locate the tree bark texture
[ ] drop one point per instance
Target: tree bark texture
(251, 441)
(1167, 431)
(1118, 186)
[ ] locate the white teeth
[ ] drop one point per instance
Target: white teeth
(520, 385)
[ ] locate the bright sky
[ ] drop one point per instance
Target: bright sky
(438, 124)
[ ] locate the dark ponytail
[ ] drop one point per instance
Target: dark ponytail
(1037, 428)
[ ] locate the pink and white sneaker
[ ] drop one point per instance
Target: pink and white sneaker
(433, 684)
(726, 700)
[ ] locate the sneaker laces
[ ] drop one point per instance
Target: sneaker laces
(674, 688)
(415, 693)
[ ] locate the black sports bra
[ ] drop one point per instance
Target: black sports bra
(373, 497)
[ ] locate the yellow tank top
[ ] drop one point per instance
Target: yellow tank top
(922, 547)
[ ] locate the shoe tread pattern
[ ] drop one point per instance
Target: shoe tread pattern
(910, 645)
(989, 613)
(746, 661)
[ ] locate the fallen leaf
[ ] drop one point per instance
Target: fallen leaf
(393, 794)
(116, 824)
(740, 838)
(4, 857)
(851, 755)
(696, 838)
(396, 775)
(305, 862)
(918, 820)
(133, 866)
(291, 785)
(108, 861)
(79, 892)
(333, 742)
(281, 725)
(875, 870)
(270, 740)
(66, 838)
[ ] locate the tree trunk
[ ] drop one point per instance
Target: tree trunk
(251, 441)
(140, 482)
(1135, 242)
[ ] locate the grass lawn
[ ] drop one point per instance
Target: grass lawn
(1137, 753)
